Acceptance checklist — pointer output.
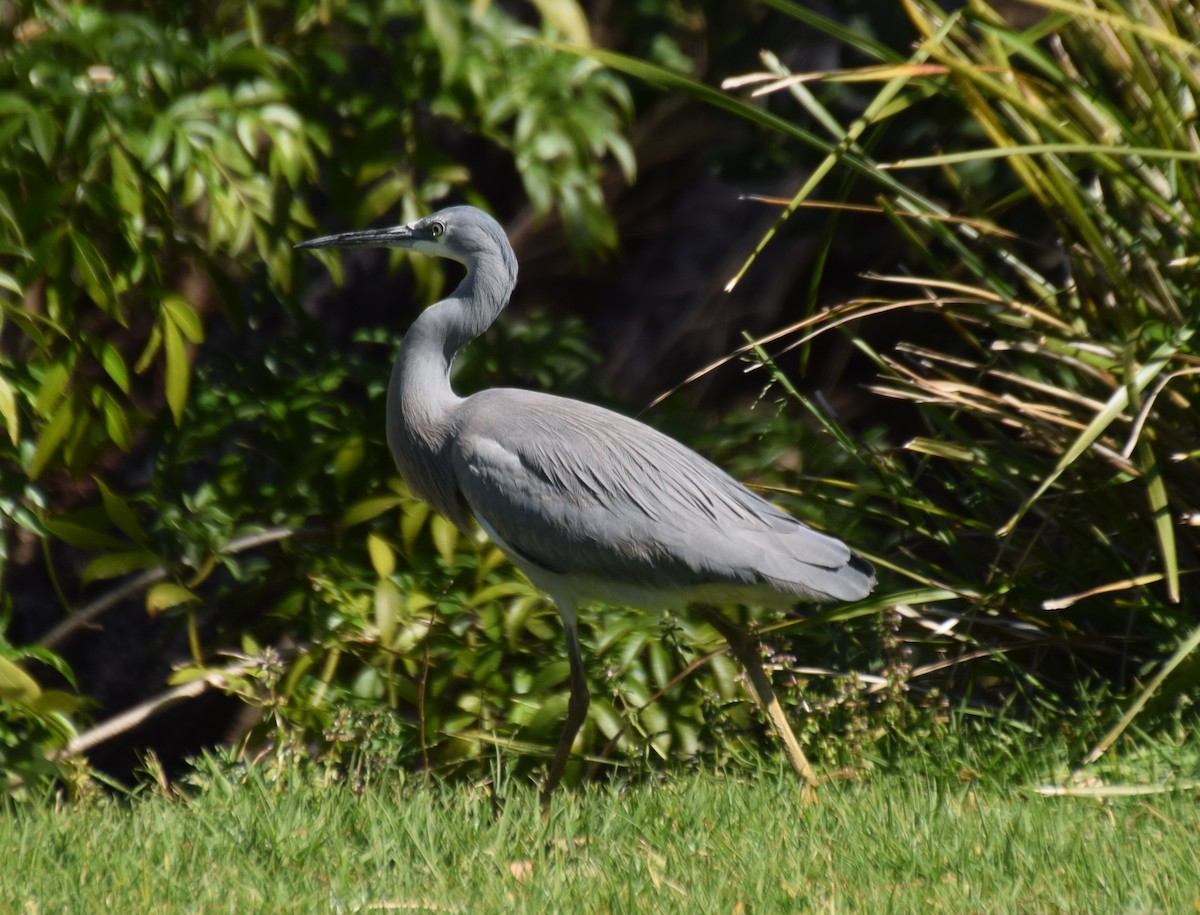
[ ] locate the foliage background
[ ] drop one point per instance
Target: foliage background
(200, 519)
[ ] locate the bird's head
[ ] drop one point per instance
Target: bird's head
(461, 233)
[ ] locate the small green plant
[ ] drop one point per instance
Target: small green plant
(1044, 507)
(155, 170)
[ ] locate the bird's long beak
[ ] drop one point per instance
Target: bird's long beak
(395, 237)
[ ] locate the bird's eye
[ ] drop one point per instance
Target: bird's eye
(436, 229)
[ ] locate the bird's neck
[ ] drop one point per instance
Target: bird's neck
(421, 402)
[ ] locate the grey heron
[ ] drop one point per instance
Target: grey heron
(589, 504)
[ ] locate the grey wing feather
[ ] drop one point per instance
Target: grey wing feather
(580, 490)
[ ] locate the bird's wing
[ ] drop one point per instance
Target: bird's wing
(579, 490)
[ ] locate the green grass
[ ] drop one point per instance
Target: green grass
(696, 843)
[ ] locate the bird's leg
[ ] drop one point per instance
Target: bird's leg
(748, 655)
(577, 708)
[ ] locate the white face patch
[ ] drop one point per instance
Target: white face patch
(428, 246)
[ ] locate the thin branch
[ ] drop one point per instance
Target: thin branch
(84, 615)
(143, 711)
(88, 613)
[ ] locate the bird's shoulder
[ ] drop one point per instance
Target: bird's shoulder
(574, 489)
(588, 454)
(545, 428)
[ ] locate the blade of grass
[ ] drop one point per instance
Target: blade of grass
(1164, 527)
(1037, 149)
(875, 110)
(672, 81)
(1186, 647)
(1121, 23)
(1112, 409)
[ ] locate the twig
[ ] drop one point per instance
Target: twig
(143, 711)
(86, 614)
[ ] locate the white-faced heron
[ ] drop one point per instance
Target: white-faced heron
(589, 504)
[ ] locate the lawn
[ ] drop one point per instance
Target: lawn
(704, 842)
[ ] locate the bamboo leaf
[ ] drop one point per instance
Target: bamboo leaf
(114, 365)
(93, 271)
(388, 605)
(44, 133)
(114, 565)
(167, 594)
(58, 702)
(445, 538)
(178, 370)
(116, 422)
(499, 591)
(15, 684)
(415, 514)
(367, 509)
(383, 559)
(127, 187)
(9, 411)
(567, 17)
(52, 437)
(184, 316)
(120, 514)
(77, 533)
(54, 383)
(153, 344)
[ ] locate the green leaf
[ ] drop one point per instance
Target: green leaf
(416, 513)
(44, 133)
(16, 685)
(184, 316)
(9, 282)
(388, 604)
(189, 674)
(52, 437)
(127, 186)
(54, 382)
(114, 365)
(120, 514)
(114, 565)
(441, 19)
(178, 370)
(14, 103)
(499, 591)
(58, 702)
(660, 664)
(1181, 654)
(77, 533)
(167, 594)
(1113, 408)
(1164, 524)
(247, 129)
(368, 509)
(445, 538)
(8, 410)
(116, 422)
(153, 344)
(348, 457)
(368, 684)
(567, 17)
(383, 559)
(93, 271)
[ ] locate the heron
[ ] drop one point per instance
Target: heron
(591, 505)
